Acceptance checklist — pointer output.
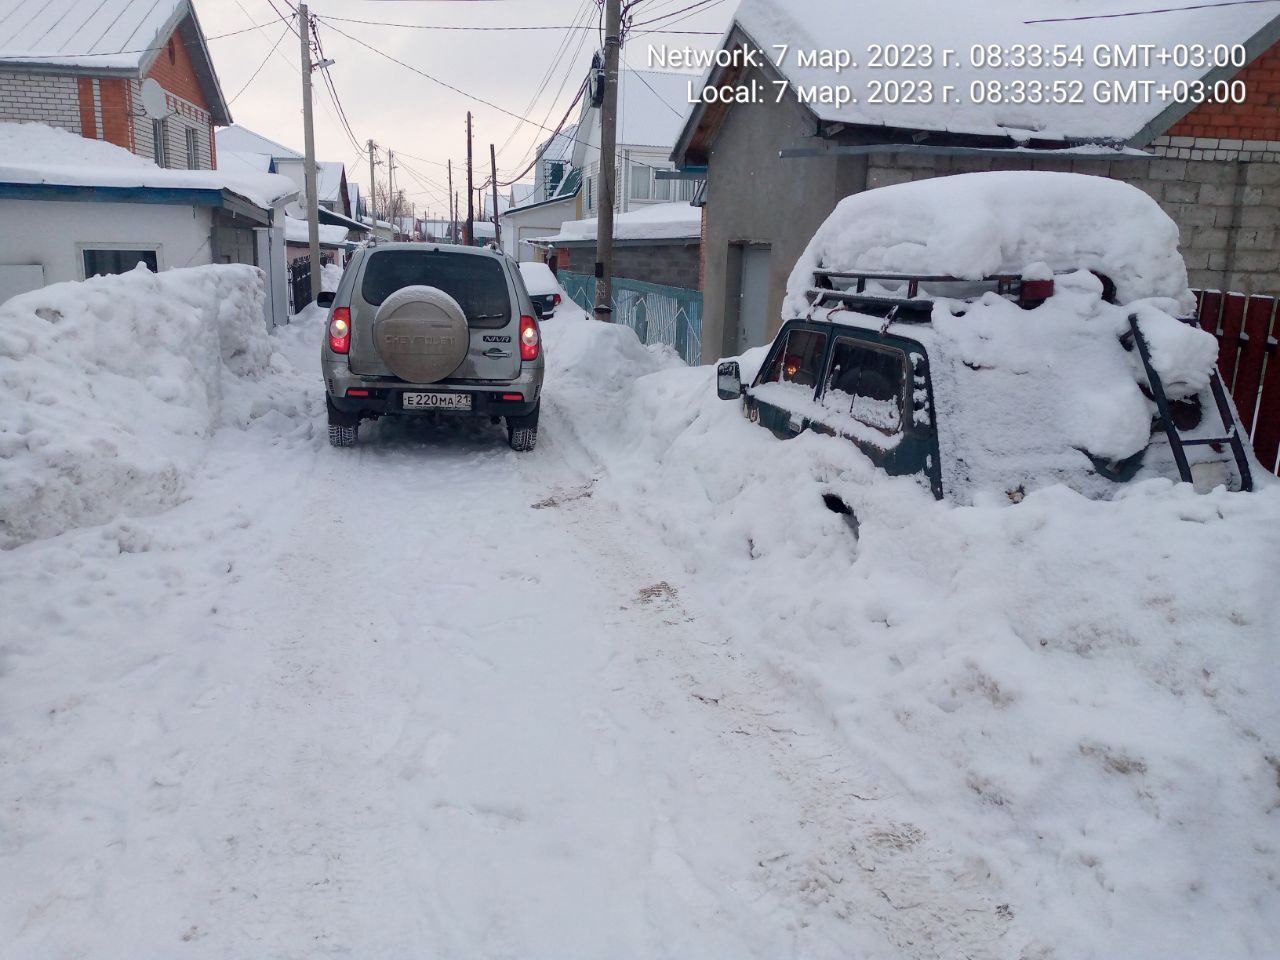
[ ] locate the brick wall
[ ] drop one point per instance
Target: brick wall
(1257, 118)
(46, 98)
(1227, 212)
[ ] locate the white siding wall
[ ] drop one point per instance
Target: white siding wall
(55, 230)
(47, 98)
(184, 115)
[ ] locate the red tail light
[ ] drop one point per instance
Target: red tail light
(557, 300)
(340, 331)
(530, 339)
(1036, 290)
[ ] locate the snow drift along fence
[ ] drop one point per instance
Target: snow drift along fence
(657, 313)
(1249, 362)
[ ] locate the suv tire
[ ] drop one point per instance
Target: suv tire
(342, 436)
(522, 432)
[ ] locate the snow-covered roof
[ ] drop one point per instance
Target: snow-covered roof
(243, 140)
(105, 37)
(34, 153)
(97, 33)
(652, 106)
(329, 176)
(520, 192)
(659, 221)
(822, 25)
(559, 147)
(296, 231)
(235, 161)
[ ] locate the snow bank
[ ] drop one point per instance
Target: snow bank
(297, 231)
(978, 224)
(37, 153)
(659, 221)
(1040, 694)
(109, 389)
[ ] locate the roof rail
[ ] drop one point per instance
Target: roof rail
(848, 288)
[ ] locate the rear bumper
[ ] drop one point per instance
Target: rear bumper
(385, 396)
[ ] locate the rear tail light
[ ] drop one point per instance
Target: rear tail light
(340, 330)
(1034, 291)
(556, 301)
(530, 339)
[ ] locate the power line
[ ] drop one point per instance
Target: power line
(41, 57)
(1145, 13)
(288, 28)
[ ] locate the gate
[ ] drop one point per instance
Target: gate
(1249, 362)
(657, 313)
(299, 284)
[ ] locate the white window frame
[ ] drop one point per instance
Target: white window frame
(159, 144)
(193, 148)
(82, 247)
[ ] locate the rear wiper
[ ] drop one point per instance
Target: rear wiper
(488, 316)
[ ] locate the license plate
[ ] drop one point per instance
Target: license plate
(437, 401)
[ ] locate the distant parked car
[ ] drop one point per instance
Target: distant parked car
(1074, 368)
(544, 288)
(422, 328)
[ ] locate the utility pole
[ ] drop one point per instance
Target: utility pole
(309, 137)
(453, 223)
(393, 207)
(608, 168)
(469, 235)
(457, 205)
(493, 176)
(373, 191)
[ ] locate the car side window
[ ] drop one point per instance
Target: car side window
(799, 360)
(867, 383)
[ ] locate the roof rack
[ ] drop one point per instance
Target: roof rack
(912, 308)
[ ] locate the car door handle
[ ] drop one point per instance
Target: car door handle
(497, 353)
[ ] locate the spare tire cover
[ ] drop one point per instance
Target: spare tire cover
(421, 334)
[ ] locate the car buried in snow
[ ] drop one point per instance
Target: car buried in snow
(1074, 368)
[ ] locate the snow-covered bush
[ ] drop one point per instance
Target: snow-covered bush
(109, 388)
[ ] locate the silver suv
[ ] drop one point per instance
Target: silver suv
(425, 328)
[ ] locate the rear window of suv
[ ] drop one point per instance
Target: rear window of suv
(479, 284)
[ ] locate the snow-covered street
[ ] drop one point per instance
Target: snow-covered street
(429, 697)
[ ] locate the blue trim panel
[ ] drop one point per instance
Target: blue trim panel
(175, 196)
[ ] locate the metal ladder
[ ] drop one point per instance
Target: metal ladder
(1176, 441)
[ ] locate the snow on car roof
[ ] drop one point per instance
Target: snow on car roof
(823, 25)
(34, 153)
(978, 224)
(538, 278)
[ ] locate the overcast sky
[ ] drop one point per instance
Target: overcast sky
(411, 114)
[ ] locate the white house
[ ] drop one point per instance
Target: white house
(652, 106)
(72, 207)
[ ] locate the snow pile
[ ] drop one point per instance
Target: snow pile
(658, 221)
(1058, 729)
(297, 231)
(110, 388)
(37, 153)
(979, 224)
(330, 277)
(538, 279)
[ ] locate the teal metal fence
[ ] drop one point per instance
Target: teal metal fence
(657, 313)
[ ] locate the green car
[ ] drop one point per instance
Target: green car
(992, 385)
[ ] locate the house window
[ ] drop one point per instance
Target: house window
(641, 176)
(590, 181)
(555, 177)
(106, 261)
(193, 150)
(159, 152)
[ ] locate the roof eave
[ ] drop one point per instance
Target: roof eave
(1160, 124)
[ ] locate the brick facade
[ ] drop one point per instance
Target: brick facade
(42, 97)
(1257, 118)
(110, 108)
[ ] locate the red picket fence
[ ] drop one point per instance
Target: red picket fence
(1249, 362)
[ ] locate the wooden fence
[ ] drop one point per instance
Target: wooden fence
(1248, 359)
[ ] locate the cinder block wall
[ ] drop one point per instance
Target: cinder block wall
(1227, 211)
(672, 265)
